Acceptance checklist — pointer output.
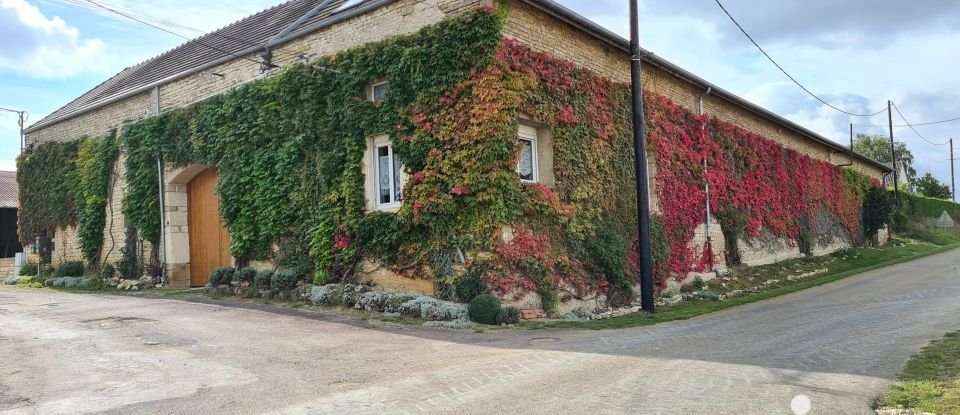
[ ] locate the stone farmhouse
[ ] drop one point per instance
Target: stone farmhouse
(197, 233)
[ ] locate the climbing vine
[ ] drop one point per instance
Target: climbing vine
(95, 159)
(289, 149)
(47, 179)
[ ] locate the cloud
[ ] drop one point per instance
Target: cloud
(829, 23)
(36, 46)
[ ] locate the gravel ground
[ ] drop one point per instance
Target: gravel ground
(839, 345)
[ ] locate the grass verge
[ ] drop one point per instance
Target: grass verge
(839, 265)
(931, 380)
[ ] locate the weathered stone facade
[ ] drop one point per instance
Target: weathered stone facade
(525, 23)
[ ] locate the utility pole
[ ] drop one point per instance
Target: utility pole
(21, 120)
(640, 164)
(893, 155)
(953, 177)
(851, 136)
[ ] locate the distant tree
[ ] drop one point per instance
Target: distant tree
(929, 186)
(877, 147)
(878, 206)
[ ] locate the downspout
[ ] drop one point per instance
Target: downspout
(267, 54)
(162, 248)
(706, 184)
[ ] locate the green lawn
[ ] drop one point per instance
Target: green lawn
(931, 379)
(839, 265)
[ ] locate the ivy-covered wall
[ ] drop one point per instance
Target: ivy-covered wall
(65, 184)
(289, 151)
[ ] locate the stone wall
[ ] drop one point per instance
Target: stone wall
(526, 24)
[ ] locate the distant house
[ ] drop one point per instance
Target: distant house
(901, 175)
(9, 241)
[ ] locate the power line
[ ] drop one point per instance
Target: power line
(914, 129)
(142, 21)
(911, 125)
(129, 14)
(742, 30)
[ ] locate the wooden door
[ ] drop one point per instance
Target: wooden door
(209, 243)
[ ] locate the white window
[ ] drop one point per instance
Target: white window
(388, 181)
(378, 91)
(527, 164)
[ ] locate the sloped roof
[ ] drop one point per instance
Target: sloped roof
(236, 39)
(8, 189)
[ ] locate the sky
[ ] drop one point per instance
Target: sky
(856, 54)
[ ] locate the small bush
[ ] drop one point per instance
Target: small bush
(221, 276)
(69, 269)
(29, 270)
(471, 285)
(284, 280)
(709, 296)
(108, 271)
(484, 309)
(508, 315)
(262, 280)
(29, 282)
(245, 275)
(698, 284)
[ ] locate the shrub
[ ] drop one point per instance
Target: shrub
(508, 315)
(221, 276)
(484, 309)
(709, 296)
(284, 280)
(29, 270)
(471, 285)
(247, 275)
(262, 280)
(878, 208)
(29, 282)
(108, 271)
(69, 269)
(698, 284)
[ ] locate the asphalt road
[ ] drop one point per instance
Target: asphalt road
(839, 345)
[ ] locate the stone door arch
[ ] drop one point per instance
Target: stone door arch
(195, 240)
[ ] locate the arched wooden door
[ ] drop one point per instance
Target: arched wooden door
(209, 242)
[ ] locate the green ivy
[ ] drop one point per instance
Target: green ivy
(47, 178)
(95, 160)
(289, 149)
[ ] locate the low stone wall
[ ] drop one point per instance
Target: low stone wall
(8, 267)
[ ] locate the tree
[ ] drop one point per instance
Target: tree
(929, 186)
(878, 206)
(877, 147)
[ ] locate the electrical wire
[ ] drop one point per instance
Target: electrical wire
(911, 125)
(155, 26)
(742, 30)
(102, 6)
(914, 129)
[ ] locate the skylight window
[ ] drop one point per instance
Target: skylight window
(348, 4)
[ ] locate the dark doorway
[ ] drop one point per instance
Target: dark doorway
(9, 241)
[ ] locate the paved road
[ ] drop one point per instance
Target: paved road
(839, 344)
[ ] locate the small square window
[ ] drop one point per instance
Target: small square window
(378, 91)
(527, 163)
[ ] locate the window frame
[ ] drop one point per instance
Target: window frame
(531, 135)
(371, 91)
(396, 177)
